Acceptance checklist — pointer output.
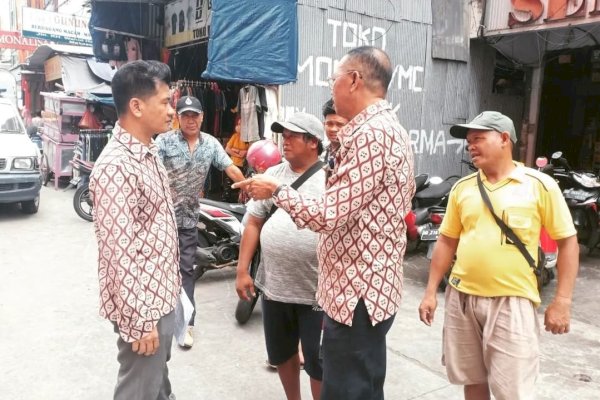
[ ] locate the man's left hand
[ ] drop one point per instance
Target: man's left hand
(259, 187)
(558, 316)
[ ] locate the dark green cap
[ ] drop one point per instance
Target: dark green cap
(486, 121)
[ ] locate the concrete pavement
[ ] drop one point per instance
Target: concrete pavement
(55, 346)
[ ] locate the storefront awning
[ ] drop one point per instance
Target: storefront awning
(44, 52)
(253, 42)
(529, 47)
(78, 77)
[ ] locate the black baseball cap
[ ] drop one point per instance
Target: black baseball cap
(189, 103)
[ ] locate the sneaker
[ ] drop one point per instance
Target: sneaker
(188, 342)
(270, 366)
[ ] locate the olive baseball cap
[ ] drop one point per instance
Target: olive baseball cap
(486, 121)
(301, 123)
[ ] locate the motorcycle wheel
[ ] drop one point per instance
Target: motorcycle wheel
(202, 242)
(81, 202)
(244, 308)
(45, 169)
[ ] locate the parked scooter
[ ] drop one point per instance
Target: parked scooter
(220, 230)
(582, 194)
(82, 203)
(219, 234)
(412, 234)
(429, 205)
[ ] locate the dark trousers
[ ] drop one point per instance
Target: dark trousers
(188, 240)
(354, 357)
(146, 377)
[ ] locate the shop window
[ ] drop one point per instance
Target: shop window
(508, 77)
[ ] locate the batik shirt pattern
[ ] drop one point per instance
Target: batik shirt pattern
(134, 221)
(188, 171)
(361, 217)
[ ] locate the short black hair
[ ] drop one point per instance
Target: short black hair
(137, 79)
(328, 108)
(375, 66)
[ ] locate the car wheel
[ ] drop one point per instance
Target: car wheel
(30, 206)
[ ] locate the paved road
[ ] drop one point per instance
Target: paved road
(54, 346)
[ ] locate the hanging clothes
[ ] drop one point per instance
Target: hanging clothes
(270, 114)
(248, 102)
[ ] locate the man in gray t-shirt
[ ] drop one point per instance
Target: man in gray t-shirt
(287, 274)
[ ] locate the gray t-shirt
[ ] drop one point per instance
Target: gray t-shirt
(288, 265)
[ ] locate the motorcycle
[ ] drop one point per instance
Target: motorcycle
(219, 233)
(82, 203)
(220, 229)
(429, 207)
(581, 191)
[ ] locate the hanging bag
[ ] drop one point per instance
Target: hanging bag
(539, 269)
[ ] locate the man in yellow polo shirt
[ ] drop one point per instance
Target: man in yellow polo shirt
(491, 330)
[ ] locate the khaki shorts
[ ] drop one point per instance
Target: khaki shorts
(492, 340)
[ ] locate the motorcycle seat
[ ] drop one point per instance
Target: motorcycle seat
(586, 180)
(234, 208)
(434, 191)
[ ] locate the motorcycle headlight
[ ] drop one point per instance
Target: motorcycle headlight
(23, 163)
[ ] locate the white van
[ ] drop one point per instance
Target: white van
(20, 177)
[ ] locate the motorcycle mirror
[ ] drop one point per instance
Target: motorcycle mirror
(556, 155)
(541, 162)
(435, 180)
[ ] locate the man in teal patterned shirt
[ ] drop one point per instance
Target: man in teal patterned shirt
(187, 154)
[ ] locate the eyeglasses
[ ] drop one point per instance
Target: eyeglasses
(331, 79)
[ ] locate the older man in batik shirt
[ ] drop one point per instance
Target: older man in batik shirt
(361, 221)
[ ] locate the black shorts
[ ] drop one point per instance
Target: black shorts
(354, 357)
(285, 325)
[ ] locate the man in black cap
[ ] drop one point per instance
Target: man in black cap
(491, 331)
(187, 154)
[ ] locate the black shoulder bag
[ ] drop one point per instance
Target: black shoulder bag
(244, 308)
(299, 182)
(539, 269)
(295, 185)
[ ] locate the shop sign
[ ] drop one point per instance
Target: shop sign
(14, 40)
(522, 15)
(187, 21)
(56, 27)
(53, 69)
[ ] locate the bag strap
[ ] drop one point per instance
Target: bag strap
(505, 228)
(299, 182)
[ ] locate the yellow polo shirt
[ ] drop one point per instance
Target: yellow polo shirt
(487, 263)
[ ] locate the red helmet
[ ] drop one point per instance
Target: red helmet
(262, 155)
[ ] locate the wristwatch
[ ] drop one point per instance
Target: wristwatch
(276, 191)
